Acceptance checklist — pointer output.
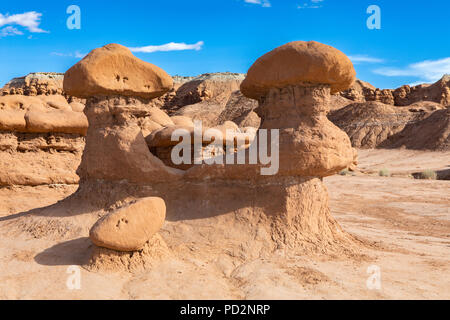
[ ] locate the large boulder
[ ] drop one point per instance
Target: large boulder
(130, 227)
(297, 63)
(113, 70)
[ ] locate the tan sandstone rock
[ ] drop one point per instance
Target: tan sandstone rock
(421, 126)
(297, 105)
(113, 70)
(207, 96)
(438, 92)
(251, 214)
(57, 121)
(41, 136)
(118, 114)
(298, 63)
(160, 117)
(12, 120)
(182, 121)
(130, 227)
(40, 83)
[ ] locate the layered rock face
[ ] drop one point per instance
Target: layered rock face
(438, 92)
(35, 84)
(41, 139)
(420, 126)
(212, 98)
(395, 118)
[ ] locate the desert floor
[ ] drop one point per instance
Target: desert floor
(407, 221)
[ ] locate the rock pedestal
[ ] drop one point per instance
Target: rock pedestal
(310, 145)
(232, 204)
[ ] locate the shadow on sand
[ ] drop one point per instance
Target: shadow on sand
(73, 252)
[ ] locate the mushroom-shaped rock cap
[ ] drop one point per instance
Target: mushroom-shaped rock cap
(299, 62)
(113, 70)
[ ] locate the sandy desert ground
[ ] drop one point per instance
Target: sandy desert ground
(404, 222)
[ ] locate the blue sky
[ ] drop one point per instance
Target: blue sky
(412, 46)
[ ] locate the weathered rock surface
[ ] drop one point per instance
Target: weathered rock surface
(216, 86)
(40, 83)
(182, 121)
(146, 258)
(430, 133)
(310, 145)
(39, 159)
(113, 70)
(115, 146)
(374, 124)
(240, 110)
(438, 92)
(118, 169)
(130, 227)
(297, 63)
(41, 140)
(206, 97)
(358, 91)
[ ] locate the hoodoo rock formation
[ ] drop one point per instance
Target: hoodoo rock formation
(248, 213)
(288, 209)
(290, 99)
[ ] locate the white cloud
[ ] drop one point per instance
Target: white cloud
(59, 54)
(428, 70)
(416, 83)
(30, 20)
(359, 58)
(10, 31)
(77, 54)
(262, 3)
(172, 46)
(315, 4)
